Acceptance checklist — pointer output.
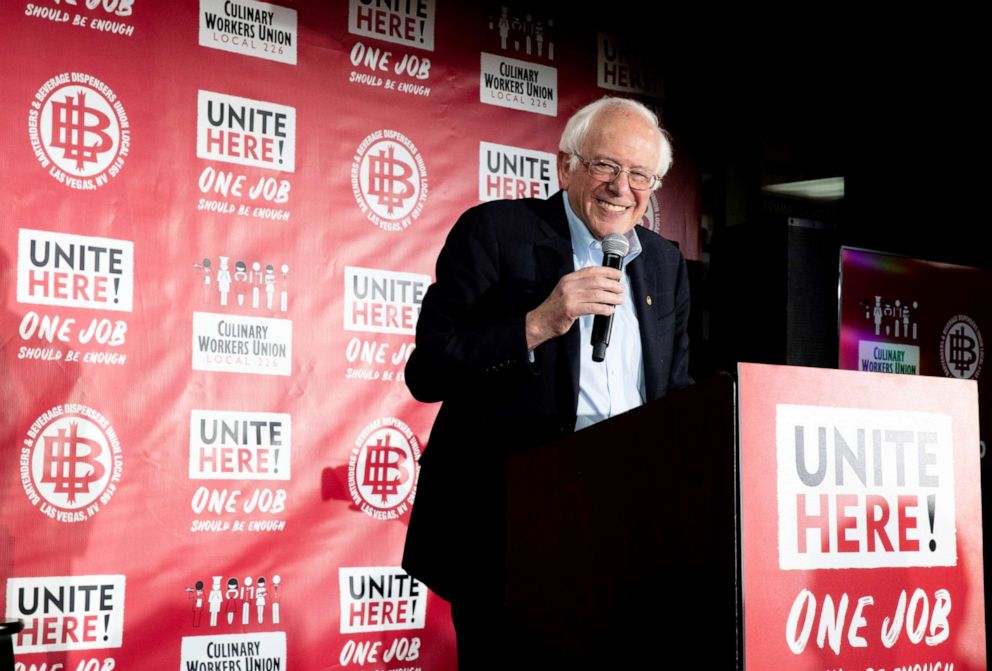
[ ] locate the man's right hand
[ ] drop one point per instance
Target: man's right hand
(591, 291)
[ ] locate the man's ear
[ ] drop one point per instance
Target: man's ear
(563, 170)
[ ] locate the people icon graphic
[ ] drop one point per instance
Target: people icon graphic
(215, 599)
(231, 599)
(196, 594)
(276, 581)
(233, 595)
(260, 593)
(248, 595)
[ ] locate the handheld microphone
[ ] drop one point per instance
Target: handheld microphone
(615, 247)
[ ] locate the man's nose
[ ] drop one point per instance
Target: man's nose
(620, 184)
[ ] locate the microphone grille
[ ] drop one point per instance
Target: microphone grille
(617, 244)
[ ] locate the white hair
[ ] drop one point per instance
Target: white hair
(578, 126)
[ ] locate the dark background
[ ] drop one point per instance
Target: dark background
(890, 102)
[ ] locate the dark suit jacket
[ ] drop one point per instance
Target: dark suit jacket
(501, 260)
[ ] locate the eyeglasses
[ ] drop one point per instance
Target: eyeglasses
(608, 171)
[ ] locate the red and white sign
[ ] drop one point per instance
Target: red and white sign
(244, 131)
(518, 85)
(380, 598)
(74, 270)
(389, 179)
(513, 172)
(871, 534)
(262, 650)
(409, 23)
(79, 130)
(382, 471)
(71, 462)
(79, 612)
(227, 445)
(382, 301)
(250, 28)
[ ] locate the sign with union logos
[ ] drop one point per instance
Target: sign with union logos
(916, 317)
(221, 220)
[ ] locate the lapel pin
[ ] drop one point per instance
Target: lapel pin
(649, 300)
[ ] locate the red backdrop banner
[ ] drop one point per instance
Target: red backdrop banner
(219, 220)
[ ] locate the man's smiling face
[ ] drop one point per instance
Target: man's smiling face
(626, 138)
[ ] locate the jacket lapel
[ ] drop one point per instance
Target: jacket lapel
(554, 259)
(642, 290)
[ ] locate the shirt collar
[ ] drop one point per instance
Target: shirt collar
(584, 245)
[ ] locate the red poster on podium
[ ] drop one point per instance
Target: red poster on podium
(861, 527)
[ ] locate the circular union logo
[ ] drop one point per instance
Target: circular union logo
(78, 130)
(382, 470)
(389, 180)
(962, 350)
(70, 462)
(652, 215)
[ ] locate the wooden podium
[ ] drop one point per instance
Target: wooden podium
(621, 538)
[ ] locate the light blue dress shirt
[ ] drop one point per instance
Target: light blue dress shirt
(616, 384)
